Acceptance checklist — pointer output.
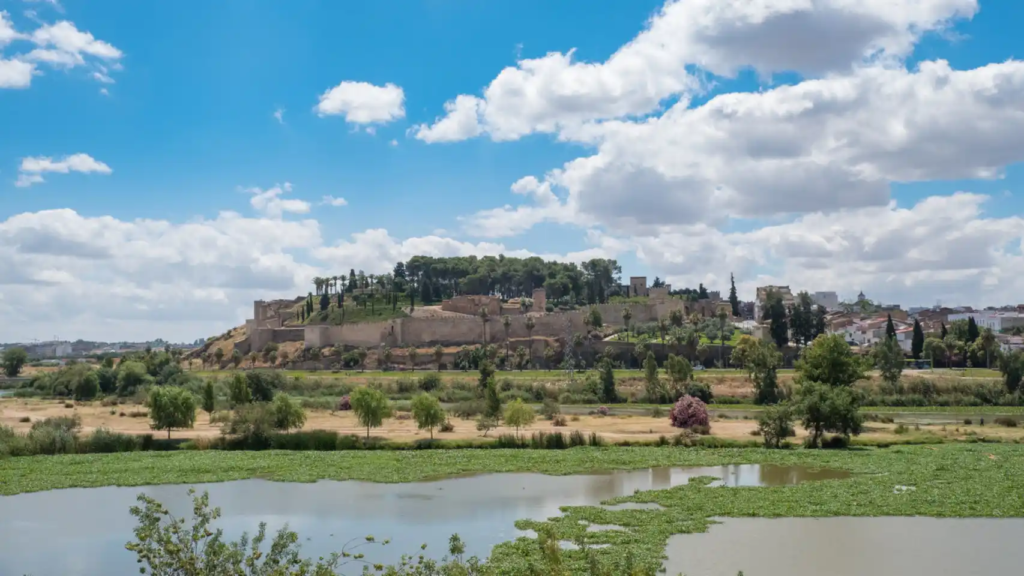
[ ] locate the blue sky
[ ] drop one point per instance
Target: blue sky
(654, 162)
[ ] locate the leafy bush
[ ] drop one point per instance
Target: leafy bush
(287, 414)
(700, 391)
(657, 412)
(103, 441)
(446, 426)
(570, 398)
(775, 424)
(25, 419)
(900, 429)
(1004, 421)
(317, 440)
(430, 381)
(728, 400)
(550, 409)
(58, 435)
(558, 420)
(689, 412)
(468, 409)
(603, 411)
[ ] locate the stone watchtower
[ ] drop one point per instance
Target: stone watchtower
(540, 299)
(637, 286)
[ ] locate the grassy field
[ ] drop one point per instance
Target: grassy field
(975, 480)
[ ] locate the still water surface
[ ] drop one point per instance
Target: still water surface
(90, 526)
(907, 546)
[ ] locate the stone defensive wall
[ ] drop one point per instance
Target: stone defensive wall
(458, 330)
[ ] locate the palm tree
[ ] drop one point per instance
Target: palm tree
(675, 318)
(530, 325)
(722, 317)
(506, 323)
(372, 308)
(626, 317)
(438, 356)
(361, 354)
(988, 342)
(484, 317)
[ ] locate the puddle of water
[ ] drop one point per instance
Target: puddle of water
(888, 546)
(91, 526)
(603, 527)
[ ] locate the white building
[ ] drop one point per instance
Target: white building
(993, 320)
(62, 349)
(827, 300)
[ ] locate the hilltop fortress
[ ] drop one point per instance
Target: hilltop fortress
(457, 321)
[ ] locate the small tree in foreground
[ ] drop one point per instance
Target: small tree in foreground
(689, 412)
(287, 414)
(171, 407)
(775, 424)
(427, 412)
(14, 359)
(371, 407)
(209, 397)
(888, 356)
(828, 409)
(519, 415)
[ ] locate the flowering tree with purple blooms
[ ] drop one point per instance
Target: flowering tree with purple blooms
(689, 412)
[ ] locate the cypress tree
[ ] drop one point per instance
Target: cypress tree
(944, 333)
(890, 328)
(734, 300)
(917, 344)
(972, 330)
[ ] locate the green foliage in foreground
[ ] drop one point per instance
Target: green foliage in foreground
(169, 546)
(952, 480)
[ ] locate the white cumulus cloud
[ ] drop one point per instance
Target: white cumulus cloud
(332, 201)
(270, 202)
(32, 168)
(363, 103)
(812, 37)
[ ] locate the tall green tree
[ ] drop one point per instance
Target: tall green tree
(972, 330)
(775, 314)
(371, 407)
(171, 407)
(519, 415)
(988, 344)
(890, 328)
(427, 411)
(943, 333)
(917, 343)
(762, 360)
(829, 360)
(828, 409)
(209, 398)
(734, 300)
(14, 359)
(802, 319)
(655, 391)
(1011, 365)
(888, 356)
(606, 371)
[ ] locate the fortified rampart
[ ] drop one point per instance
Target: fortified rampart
(454, 330)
